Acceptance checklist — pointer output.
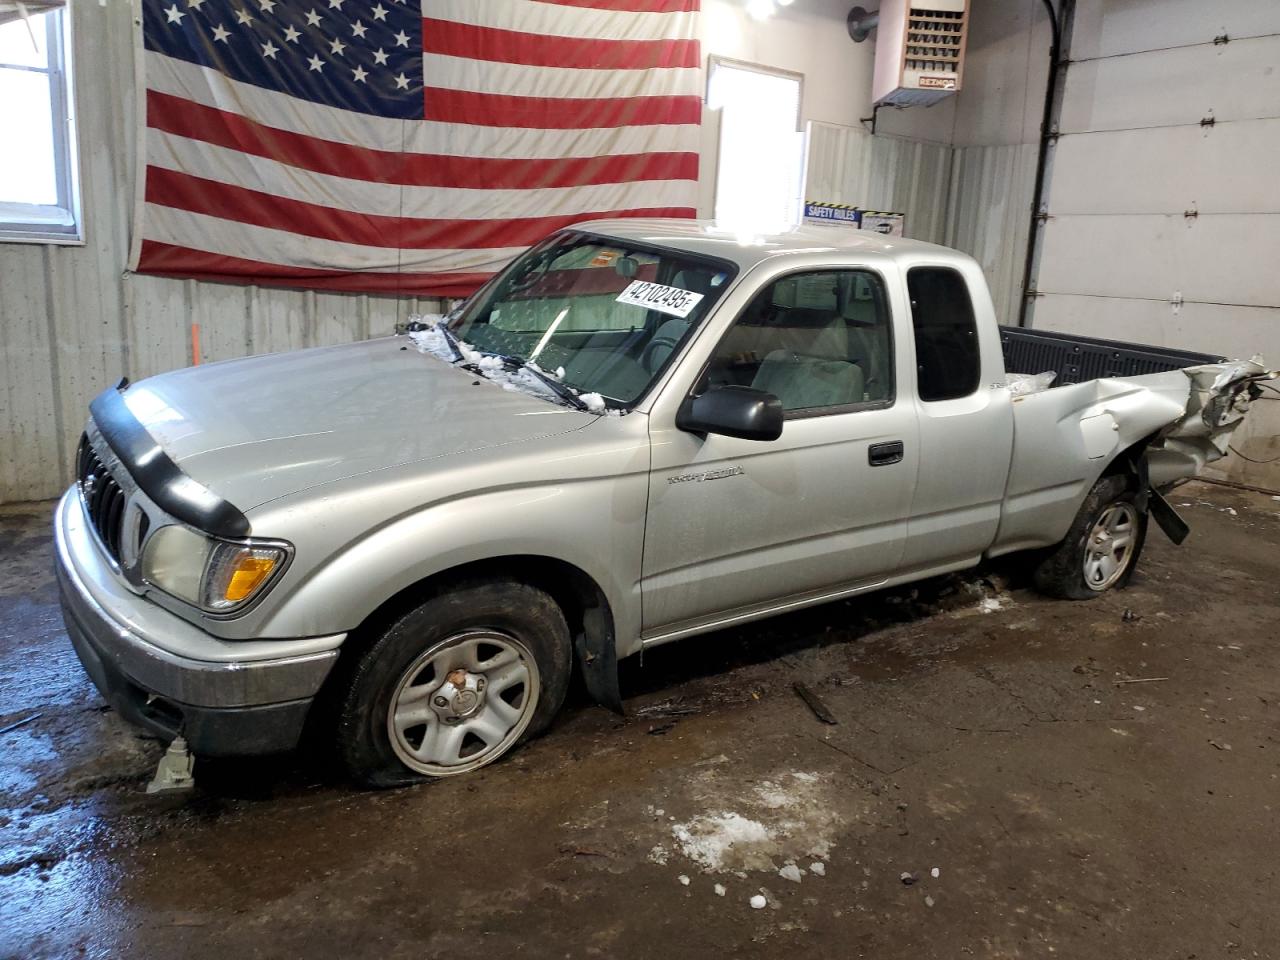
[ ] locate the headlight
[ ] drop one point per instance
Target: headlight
(215, 575)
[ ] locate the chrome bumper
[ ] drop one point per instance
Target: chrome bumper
(169, 675)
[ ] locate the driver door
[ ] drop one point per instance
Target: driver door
(736, 526)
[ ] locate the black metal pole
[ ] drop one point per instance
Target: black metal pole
(1046, 136)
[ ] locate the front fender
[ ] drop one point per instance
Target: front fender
(596, 525)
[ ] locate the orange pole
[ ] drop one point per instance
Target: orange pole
(195, 344)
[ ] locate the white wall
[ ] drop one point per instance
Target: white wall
(810, 37)
(991, 131)
(996, 133)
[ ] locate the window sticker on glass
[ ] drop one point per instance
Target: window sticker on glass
(655, 296)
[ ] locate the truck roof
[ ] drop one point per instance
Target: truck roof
(748, 249)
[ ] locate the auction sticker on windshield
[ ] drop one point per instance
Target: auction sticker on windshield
(671, 300)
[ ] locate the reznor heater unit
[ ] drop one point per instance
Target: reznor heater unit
(919, 51)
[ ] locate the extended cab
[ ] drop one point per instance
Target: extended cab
(638, 432)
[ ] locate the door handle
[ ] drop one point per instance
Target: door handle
(883, 454)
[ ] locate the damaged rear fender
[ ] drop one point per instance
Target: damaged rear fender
(1218, 398)
(1067, 437)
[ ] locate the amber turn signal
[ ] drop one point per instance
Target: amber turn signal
(248, 574)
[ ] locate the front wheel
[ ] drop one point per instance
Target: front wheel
(454, 684)
(1102, 547)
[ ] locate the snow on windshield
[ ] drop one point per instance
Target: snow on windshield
(433, 341)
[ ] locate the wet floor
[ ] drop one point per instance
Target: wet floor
(982, 731)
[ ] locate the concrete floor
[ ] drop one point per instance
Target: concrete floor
(982, 731)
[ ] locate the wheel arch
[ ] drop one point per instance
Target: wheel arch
(1131, 463)
(584, 603)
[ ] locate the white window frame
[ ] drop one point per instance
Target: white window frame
(57, 222)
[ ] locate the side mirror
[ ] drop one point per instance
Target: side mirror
(733, 412)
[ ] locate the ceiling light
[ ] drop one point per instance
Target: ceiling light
(760, 9)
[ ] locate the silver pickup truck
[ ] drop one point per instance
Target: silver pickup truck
(638, 432)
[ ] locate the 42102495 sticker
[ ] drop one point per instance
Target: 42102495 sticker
(655, 296)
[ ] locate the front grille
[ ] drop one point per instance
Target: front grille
(103, 497)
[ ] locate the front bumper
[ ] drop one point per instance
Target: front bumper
(225, 697)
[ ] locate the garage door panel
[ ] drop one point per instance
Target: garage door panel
(1105, 28)
(1234, 81)
(1228, 331)
(1169, 170)
(1221, 259)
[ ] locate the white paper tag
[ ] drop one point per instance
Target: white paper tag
(654, 296)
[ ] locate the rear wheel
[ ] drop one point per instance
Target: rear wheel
(454, 684)
(1102, 547)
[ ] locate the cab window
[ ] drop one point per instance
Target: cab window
(947, 360)
(817, 341)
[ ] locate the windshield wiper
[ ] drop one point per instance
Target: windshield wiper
(451, 339)
(561, 390)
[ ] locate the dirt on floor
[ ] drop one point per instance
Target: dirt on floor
(1008, 776)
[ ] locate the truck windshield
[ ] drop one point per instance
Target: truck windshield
(601, 315)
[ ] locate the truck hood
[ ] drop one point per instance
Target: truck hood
(259, 429)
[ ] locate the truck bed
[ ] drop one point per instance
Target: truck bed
(1076, 359)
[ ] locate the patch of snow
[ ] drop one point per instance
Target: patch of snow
(928, 901)
(658, 855)
(935, 873)
(771, 795)
(719, 889)
(684, 880)
(716, 840)
(791, 872)
(758, 902)
(787, 818)
(522, 380)
(818, 868)
(1025, 384)
(992, 604)
(595, 403)
(1139, 707)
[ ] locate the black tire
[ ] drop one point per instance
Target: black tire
(1061, 573)
(515, 610)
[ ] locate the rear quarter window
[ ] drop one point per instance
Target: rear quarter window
(948, 364)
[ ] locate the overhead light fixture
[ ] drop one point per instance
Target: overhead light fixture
(760, 9)
(784, 3)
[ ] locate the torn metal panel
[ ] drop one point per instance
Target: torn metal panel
(1219, 396)
(1066, 436)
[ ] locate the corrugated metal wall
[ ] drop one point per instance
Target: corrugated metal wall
(72, 322)
(848, 165)
(976, 199)
(988, 215)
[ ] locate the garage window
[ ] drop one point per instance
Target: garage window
(761, 154)
(39, 199)
(947, 361)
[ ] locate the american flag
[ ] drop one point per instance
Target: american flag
(410, 147)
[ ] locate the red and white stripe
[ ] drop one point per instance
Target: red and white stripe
(539, 114)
